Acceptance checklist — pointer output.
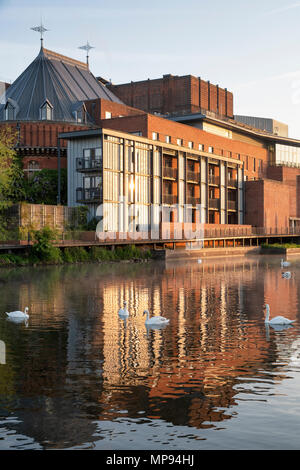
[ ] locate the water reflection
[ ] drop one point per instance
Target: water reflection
(79, 374)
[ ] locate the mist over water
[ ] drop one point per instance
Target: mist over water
(79, 377)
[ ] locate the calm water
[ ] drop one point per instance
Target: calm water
(79, 377)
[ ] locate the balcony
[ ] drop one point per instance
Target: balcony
(192, 176)
(232, 183)
(231, 205)
(88, 164)
(214, 204)
(169, 172)
(169, 199)
(213, 179)
(193, 200)
(91, 195)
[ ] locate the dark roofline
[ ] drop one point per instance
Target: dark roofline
(78, 134)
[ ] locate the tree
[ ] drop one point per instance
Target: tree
(11, 174)
(42, 188)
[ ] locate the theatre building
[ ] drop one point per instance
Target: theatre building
(46, 99)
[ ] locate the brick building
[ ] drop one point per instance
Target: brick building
(46, 99)
(176, 95)
(185, 120)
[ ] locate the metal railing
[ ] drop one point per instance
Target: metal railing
(214, 204)
(169, 172)
(193, 200)
(231, 205)
(193, 176)
(213, 179)
(89, 195)
(88, 164)
(232, 183)
(169, 199)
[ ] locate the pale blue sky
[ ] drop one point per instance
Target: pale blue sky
(249, 46)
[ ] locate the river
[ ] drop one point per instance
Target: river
(77, 376)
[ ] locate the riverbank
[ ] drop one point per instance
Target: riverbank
(283, 249)
(73, 255)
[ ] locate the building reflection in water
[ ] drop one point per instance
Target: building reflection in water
(82, 363)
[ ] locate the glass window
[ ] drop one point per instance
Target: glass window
(107, 115)
(191, 144)
(201, 147)
(81, 115)
(154, 135)
(211, 149)
(168, 139)
(46, 112)
(10, 112)
(32, 168)
(179, 141)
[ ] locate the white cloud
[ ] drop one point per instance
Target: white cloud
(283, 9)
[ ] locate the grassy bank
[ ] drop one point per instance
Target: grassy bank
(280, 245)
(44, 251)
(76, 255)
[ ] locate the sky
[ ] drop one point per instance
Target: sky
(251, 47)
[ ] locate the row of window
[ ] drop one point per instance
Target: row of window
(168, 140)
(46, 112)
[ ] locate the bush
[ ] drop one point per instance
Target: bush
(99, 253)
(75, 254)
(43, 248)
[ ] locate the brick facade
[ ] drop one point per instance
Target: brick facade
(173, 94)
(268, 204)
(254, 156)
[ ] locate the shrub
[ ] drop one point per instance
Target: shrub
(99, 253)
(43, 248)
(75, 254)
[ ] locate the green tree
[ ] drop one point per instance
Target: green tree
(42, 188)
(11, 175)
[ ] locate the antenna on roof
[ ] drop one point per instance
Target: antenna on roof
(87, 47)
(40, 29)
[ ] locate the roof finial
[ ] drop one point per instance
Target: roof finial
(40, 29)
(87, 47)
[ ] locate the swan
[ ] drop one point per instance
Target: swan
(123, 312)
(18, 314)
(157, 320)
(287, 275)
(285, 263)
(276, 320)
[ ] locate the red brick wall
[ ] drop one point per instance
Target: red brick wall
(45, 162)
(39, 134)
(174, 94)
(98, 107)
(128, 124)
(289, 176)
(267, 204)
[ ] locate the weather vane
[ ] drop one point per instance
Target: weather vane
(87, 47)
(40, 29)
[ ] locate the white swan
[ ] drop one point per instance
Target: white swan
(276, 320)
(18, 314)
(156, 320)
(285, 263)
(123, 312)
(287, 275)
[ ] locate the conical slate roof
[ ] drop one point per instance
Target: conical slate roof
(62, 82)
